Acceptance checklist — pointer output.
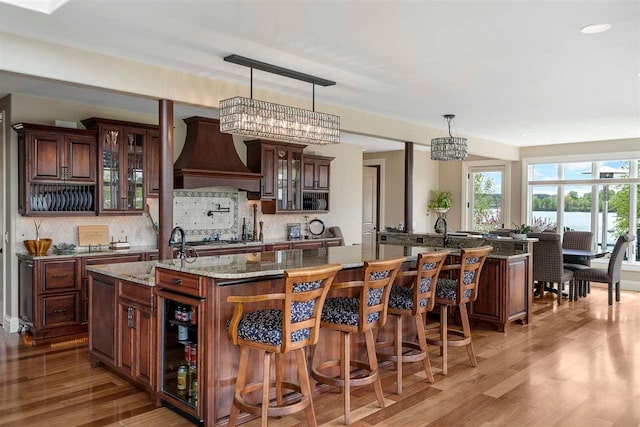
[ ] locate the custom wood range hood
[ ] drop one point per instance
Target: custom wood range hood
(209, 159)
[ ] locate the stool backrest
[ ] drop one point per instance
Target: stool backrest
(471, 263)
(305, 292)
(374, 295)
(427, 272)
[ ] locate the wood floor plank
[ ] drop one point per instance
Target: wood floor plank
(577, 364)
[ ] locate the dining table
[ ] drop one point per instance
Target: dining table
(574, 256)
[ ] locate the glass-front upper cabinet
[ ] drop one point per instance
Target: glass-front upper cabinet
(288, 183)
(121, 162)
(135, 169)
(111, 140)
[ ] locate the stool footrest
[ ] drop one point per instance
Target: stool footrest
(371, 377)
(457, 342)
(272, 411)
(415, 357)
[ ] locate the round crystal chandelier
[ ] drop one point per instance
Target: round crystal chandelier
(449, 147)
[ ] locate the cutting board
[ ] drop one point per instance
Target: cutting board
(93, 235)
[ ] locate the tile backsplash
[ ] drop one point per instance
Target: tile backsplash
(203, 212)
(190, 207)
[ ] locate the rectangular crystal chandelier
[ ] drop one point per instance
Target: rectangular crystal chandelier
(252, 117)
(256, 118)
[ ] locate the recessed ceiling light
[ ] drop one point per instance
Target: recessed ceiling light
(595, 28)
(526, 134)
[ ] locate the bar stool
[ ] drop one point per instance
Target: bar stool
(458, 292)
(414, 300)
(347, 315)
(291, 327)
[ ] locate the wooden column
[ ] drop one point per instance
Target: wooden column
(165, 208)
(408, 187)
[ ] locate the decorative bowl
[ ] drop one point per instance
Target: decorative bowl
(518, 236)
(37, 247)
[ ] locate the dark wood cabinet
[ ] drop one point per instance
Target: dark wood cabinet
(152, 164)
(121, 162)
(503, 292)
(125, 338)
(50, 297)
(316, 172)
(135, 333)
(281, 167)
(315, 188)
(57, 170)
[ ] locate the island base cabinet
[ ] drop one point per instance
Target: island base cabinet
(122, 328)
(504, 292)
(135, 356)
(183, 355)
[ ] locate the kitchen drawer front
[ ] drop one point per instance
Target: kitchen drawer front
(277, 247)
(59, 276)
(136, 293)
(306, 245)
(59, 310)
(181, 282)
(111, 260)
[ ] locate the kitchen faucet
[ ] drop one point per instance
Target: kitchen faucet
(172, 241)
(437, 225)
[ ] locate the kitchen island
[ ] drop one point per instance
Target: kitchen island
(201, 289)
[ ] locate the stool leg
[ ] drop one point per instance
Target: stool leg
(373, 365)
(444, 308)
(398, 348)
(266, 377)
(345, 373)
(279, 378)
(422, 340)
(467, 334)
(305, 386)
(241, 381)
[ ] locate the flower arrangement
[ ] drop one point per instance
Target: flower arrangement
(522, 229)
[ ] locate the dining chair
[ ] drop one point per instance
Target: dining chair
(292, 326)
(457, 292)
(357, 314)
(610, 275)
(548, 266)
(582, 240)
(414, 300)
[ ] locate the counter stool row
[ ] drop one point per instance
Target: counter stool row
(304, 307)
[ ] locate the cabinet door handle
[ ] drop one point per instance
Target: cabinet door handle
(60, 310)
(59, 276)
(130, 322)
(176, 281)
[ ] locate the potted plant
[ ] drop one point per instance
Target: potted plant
(440, 201)
(521, 231)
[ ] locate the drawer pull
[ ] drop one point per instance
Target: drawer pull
(59, 276)
(60, 310)
(176, 281)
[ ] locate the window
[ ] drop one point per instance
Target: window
(602, 196)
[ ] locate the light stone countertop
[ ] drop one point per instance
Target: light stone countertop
(264, 264)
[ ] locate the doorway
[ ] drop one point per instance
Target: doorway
(3, 207)
(370, 203)
(487, 198)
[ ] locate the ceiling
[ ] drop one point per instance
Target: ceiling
(516, 72)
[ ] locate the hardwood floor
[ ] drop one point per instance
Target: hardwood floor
(577, 365)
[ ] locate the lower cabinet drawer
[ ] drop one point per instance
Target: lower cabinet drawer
(180, 282)
(136, 293)
(60, 309)
(59, 275)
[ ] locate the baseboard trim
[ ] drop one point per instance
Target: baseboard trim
(11, 324)
(625, 285)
